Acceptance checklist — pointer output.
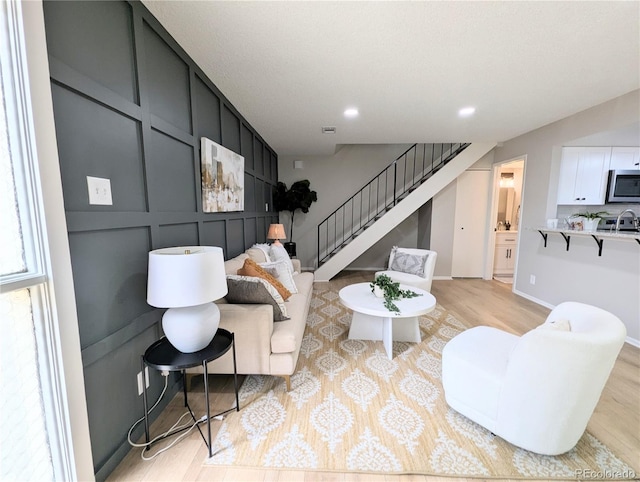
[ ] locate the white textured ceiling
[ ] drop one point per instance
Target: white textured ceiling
(291, 67)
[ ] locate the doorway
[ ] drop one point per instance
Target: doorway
(504, 220)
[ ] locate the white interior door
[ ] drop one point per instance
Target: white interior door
(472, 196)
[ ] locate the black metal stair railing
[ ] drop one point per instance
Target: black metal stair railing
(383, 192)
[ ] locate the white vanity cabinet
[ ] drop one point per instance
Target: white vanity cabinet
(583, 175)
(625, 158)
(504, 258)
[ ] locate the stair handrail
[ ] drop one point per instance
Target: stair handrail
(452, 151)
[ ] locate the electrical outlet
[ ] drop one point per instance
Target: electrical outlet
(140, 383)
(532, 279)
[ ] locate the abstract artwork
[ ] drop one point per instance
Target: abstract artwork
(222, 178)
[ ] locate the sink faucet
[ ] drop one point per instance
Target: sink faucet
(635, 218)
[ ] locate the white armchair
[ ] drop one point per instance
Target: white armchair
(411, 266)
(539, 390)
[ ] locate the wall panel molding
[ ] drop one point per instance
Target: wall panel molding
(133, 111)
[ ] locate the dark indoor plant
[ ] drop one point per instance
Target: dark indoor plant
(298, 197)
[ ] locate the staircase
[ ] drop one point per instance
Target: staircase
(388, 199)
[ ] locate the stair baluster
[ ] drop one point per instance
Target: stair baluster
(384, 199)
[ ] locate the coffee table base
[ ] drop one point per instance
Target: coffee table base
(387, 329)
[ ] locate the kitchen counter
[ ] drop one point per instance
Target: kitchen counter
(603, 234)
(598, 236)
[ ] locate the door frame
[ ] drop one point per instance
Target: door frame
(491, 225)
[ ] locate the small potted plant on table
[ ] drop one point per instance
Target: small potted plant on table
(385, 287)
(590, 220)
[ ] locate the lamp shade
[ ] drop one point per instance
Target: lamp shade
(185, 276)
(276, 231)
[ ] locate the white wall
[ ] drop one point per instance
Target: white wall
(611, 281)
(336, 178)
(377, 257)
(442, 226)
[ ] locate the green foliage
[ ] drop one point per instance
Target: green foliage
(298, 197)
(590, 215)
(392, 292)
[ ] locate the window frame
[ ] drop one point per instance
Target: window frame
(23, 48)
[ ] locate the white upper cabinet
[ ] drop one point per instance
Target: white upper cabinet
(625, 158)
(583, 175)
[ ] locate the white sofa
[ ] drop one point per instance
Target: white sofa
(539, 390)
(263, 347)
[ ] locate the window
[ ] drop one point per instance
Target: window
(34, 428)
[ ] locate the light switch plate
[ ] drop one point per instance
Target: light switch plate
(99, 191)
(139, 379)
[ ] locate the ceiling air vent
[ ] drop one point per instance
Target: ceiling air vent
(328, 130)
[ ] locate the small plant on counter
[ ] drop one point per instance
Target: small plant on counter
(589, 215)
(391, 291)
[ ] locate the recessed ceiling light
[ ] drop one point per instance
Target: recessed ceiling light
(351, 112)
(466, 111)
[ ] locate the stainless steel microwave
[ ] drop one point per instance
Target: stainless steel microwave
(624, 186)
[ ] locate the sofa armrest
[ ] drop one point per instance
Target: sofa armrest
(297, 266)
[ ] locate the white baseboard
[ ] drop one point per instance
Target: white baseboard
(534, 299)
(442, 278)
(631, 341)
(364, 269)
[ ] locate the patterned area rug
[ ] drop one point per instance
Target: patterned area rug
(352, 409)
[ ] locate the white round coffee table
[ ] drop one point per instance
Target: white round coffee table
(372, 321)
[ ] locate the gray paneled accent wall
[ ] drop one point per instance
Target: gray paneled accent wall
(131, 106)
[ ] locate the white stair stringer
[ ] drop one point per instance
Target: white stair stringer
(402, 210)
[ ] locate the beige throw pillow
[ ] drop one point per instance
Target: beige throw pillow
(558, 325)
(251, 268)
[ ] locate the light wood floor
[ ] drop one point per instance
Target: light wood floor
(616, 420)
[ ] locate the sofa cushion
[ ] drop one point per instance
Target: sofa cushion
(287, 336)
(231, 266)
(251, 268)
(258, 254)
(253, 290)
(264, 247)
(281, 271)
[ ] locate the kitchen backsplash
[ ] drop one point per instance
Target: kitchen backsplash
(565, 211)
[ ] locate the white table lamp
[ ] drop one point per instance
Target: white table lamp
(276, 232)
(187, 280)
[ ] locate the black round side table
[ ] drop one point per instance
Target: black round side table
(163, 356)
